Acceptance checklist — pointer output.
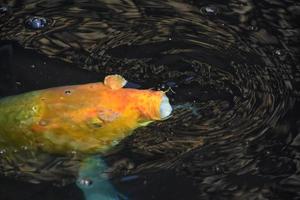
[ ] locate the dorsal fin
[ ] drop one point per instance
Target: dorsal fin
(115, 81)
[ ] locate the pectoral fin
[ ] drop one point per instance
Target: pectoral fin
(94, 182)
(115, 81)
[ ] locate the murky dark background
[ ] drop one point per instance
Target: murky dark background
(234, 69)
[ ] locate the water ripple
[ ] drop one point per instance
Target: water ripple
(235, 82)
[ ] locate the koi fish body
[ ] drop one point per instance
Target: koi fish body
(87, 118)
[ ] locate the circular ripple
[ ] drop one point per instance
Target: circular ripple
(233, 85)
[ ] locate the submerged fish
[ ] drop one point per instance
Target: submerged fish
(89, 119)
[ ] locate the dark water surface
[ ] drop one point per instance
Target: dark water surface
(234, 70)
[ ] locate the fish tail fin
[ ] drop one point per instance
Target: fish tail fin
(94, 183)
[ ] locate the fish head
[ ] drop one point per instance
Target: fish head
(151, 105)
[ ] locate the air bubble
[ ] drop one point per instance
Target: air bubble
(218, 169)
(2, 151)
(209, 10)
(36, 23)
(86, 182)
(4, 9)
(268, 153)
(279, 52)
(252, 28)
(25, 148)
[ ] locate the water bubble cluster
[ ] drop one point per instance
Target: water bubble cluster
(36, 22)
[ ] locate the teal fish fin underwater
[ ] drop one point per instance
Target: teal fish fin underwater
(94, 182)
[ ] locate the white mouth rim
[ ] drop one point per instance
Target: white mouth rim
(165, 108)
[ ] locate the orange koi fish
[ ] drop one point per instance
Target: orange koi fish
(89, 119)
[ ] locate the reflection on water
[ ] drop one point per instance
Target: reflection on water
(234, 69)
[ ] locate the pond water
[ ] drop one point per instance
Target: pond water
(234, 73)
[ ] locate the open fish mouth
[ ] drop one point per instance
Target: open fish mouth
(165, 108)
